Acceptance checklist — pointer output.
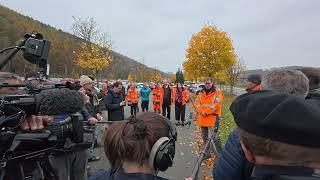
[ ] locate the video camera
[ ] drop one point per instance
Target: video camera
(23, 151)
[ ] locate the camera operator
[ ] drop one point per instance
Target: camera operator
(31, 122)
(232, 163)
(65, 165)
(87, 90)
(138, 148)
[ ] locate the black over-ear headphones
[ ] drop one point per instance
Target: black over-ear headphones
(163, 150)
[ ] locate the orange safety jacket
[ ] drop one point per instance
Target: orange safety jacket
(133, 95)
(156, 96)
(257, 88)
(185, 96)
(210, 104)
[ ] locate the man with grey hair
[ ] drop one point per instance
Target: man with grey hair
(286, 81)
(232, 163)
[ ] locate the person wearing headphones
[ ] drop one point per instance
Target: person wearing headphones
(138, 148)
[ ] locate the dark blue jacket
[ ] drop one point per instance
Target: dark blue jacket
(232, 163)
(112, 101)
(120, 175)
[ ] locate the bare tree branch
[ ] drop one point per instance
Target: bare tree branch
(234, 73)
(85, 28)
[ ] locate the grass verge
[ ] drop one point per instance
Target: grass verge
(227, 123)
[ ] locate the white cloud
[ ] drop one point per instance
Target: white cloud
(265, 33)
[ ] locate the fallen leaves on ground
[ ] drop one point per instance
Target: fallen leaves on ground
(198, 147)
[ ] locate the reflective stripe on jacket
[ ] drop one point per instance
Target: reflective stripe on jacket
(156, 96)
(210, 104)
(185, 96)
(133, 95)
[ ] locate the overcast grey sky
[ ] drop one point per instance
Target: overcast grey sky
(265, 34)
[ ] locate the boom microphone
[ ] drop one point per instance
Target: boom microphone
(59, 101)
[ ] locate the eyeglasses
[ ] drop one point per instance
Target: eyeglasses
(207, 83)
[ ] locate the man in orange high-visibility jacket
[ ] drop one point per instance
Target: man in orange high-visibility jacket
(253, 82)
(209, 107)
(156, 99)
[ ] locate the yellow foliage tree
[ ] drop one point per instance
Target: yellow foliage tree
(91, 56)
(210, 52)
(131, 78)
(155, 77)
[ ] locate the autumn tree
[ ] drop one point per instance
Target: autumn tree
(210, 52)
(155, 76)
(93, 57)
(142, 74)
(234, 73)
(131, 77)
(95, 53)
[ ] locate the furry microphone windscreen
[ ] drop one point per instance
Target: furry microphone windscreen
(59, 101)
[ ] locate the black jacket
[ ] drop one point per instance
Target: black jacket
(85, 113)
(112, 101)
(284, 173)
(120, 175)
(314, 94)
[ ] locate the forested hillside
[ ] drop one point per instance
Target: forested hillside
(61, 58)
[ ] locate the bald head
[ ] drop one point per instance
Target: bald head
(286, 81)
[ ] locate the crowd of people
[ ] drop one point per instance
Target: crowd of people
(276, 135)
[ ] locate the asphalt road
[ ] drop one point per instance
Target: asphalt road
(185, 158)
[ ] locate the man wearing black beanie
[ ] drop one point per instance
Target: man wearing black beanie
(280, 134)
(232, 163)
(253, 82)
